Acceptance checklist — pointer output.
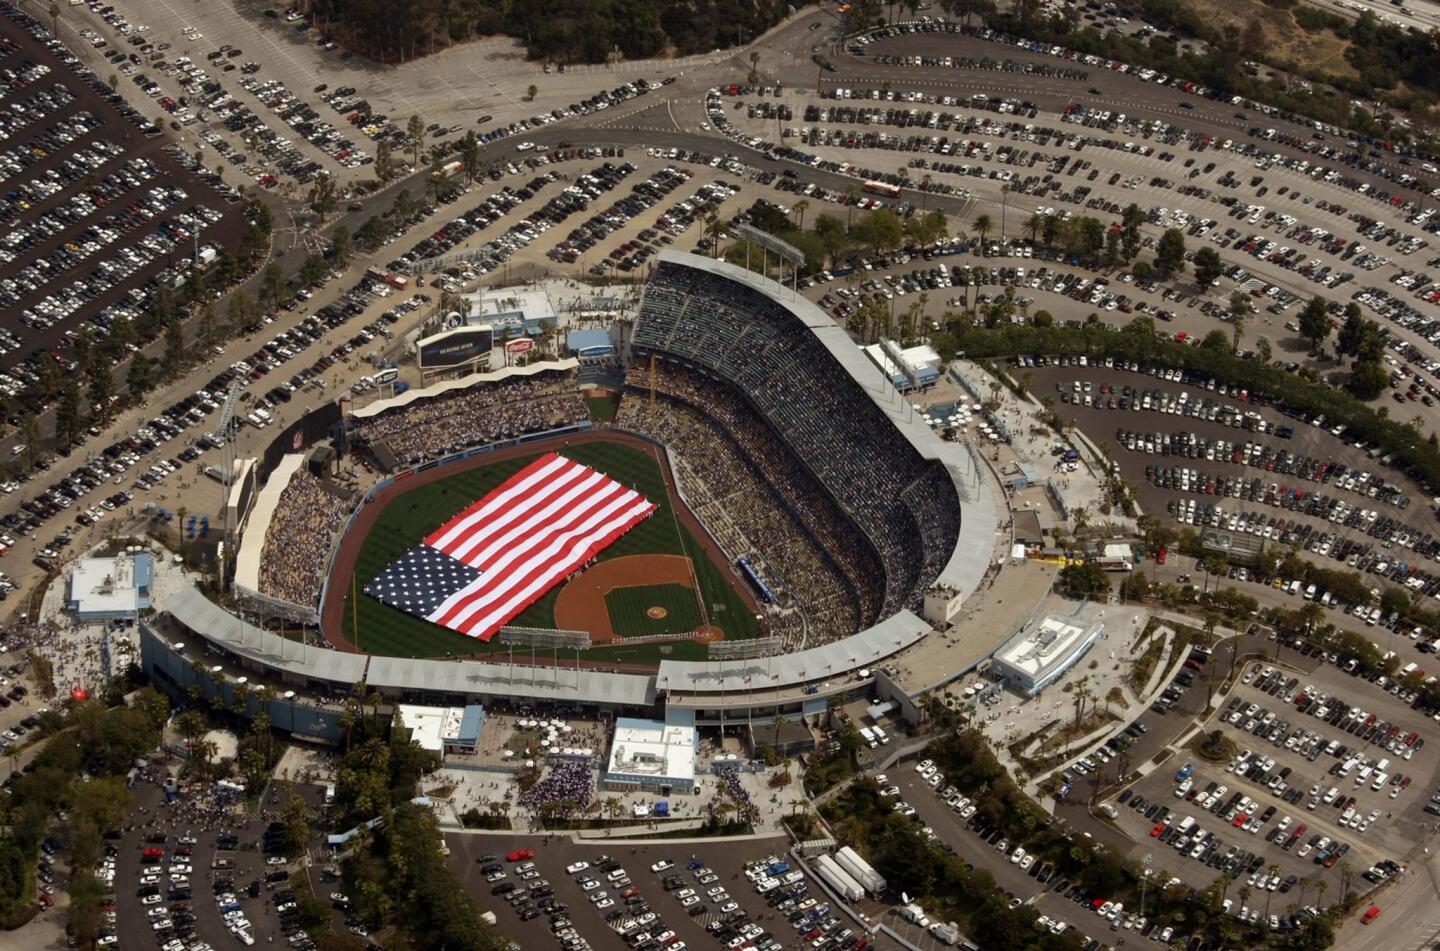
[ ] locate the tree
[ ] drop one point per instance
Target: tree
(1368, 379)
(174, 359)
(68, 421)
(1315, 322)
(1217, 340)
(384, 161)
(102, 385)
(1352, 332)
(242, 311)
(55, 18)
(1034, 227)
(312, 270)
(340, 247)
(1263, 349)
(1255, 41)
(831, 232)
(415, 138)
(880, 230)
(1130, 220)
(139, 378)
(470, 156)
(404, 205)
(1208, 267)
(296, 832)
(272, 283)
(983, 226)
(324, 197)
(1170, 253)
(531, 92)
(372, 233)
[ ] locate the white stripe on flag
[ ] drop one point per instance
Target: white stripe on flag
(537, 554)
(520, 589)
(525, 518)
(466, 522)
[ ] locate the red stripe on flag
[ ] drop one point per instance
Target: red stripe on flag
(517, 565)
(525, 591)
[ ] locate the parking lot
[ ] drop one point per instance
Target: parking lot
(106, 208)
(689, 894)
(1330, 773)
(1230, 463)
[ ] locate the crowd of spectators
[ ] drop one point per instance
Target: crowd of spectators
(476, 415)
(904, 503)
(568, 785)
(730, 794)
(758, 502)
(298, 539)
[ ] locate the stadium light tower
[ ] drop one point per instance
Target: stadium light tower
(534, 637)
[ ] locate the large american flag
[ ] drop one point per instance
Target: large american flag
(502, 553)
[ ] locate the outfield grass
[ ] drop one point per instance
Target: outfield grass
(627, 608)
(408, 518)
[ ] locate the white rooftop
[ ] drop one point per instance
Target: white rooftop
(1049, 643)
(531, 303)
(429, 726)
(652, 749)
(107, 585)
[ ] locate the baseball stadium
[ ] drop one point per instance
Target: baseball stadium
(755, 522)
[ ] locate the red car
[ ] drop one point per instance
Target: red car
(520, 855)
(1370, 915)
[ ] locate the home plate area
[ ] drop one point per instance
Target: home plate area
(638, 596)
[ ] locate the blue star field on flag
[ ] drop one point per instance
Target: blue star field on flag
(420, 580)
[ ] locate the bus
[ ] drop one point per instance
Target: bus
(882, 188)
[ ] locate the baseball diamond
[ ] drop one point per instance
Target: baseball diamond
(652, 609)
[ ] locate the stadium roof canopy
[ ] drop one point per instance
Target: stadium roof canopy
(553, 684)
(835, 659)
(208, 620)
(969, 559)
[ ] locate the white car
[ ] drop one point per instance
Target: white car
(662, 865)
(577, 867)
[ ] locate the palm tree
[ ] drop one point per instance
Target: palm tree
(925, 181)
(852, 192)
(1237, 329)
(1034, 227)
(1274, 872)
(200, 755)
(801, 207)
(714, 228)
(983, 226)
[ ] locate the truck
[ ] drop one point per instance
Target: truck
(868, 735)
(861, 870)
(778, 868)
(838, 879)
(1185, 772)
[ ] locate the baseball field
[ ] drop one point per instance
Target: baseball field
(407, 518)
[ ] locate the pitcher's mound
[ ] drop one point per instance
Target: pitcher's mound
(656, 613)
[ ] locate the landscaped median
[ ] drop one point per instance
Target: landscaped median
(947, 880)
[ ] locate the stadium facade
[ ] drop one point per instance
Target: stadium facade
(919, 503)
